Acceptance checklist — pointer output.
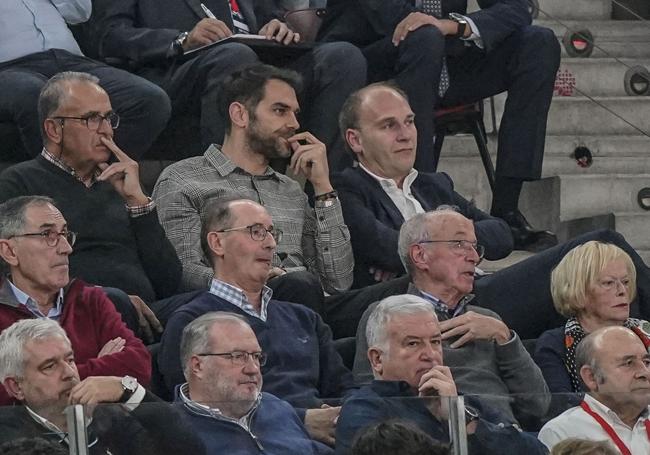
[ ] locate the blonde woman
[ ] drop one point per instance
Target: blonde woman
(592, 286)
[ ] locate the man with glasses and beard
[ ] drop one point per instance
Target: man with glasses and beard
(261, 106)
(223, 397)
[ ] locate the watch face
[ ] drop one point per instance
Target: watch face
(129, 383)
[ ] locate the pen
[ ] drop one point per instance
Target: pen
(207, 11)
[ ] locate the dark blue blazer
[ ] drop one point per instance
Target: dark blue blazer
(362, 22)
(374, 220)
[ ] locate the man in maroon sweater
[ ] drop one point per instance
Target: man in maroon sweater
(35, 244)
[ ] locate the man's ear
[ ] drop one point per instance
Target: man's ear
(14, 389)
(215, 242)
(238, 114)
(589, 378)
(7, 253)
(353, 138)
(196, 366)
(418, 256)
(376, 358)
(53, 130)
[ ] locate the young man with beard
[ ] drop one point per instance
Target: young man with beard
(223, 396)
(261, 105)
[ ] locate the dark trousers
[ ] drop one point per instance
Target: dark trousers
(520, 294)
(524, 65)
(330, 72)
(143, 107)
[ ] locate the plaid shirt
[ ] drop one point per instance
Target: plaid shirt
(314, 239)
(442, 310)
(236, 296)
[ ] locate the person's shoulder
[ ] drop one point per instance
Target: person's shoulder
(184, 169)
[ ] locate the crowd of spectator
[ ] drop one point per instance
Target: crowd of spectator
(309, 284)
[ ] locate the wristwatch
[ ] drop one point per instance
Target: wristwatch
(462, 25)
(130, 385)
(179, 41)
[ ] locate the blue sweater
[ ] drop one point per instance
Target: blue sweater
(303, 366)
(275, 429)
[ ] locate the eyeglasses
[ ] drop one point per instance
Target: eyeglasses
(258, 231)
(612, 283)
(461, 247)
(93, 121)
(51, 237)
(239, 358)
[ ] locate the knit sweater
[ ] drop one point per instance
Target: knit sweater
(274, 429)
(303, 366)
(90, 320)
(112, 249)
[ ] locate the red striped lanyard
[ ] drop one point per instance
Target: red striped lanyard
(610, 431)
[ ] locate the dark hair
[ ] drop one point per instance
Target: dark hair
(247, 86)
(32, 446)
(216, 215)
(349, 115)
(396, 437)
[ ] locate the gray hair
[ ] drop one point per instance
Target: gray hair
(586, 354)
(54, 93)
(216, 215)
(196, 334)
(416, 230)
(14, 338)
(386, 309)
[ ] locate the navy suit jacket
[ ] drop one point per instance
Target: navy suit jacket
(374, 220)
(362, 22)
(141, 31)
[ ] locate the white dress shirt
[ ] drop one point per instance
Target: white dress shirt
(401, 197)
(576, 423)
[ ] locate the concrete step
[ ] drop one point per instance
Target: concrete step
(635, 227)
(575, 9)
(570, 197)
(596, 76)
(645, 255)
(630, 39)
(577, 115)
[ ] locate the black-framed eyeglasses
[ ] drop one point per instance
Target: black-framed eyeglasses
(94, 121)
(51, 237)
(258, 231)
(239, 358)
(462, 247)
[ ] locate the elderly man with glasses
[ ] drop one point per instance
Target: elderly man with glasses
(223, 399)
(121, 243)
(35, 244)
(440, 252)
(303, 368)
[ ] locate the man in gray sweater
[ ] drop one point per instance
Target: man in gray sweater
(439, 251)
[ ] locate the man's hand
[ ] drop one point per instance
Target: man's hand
(309, 159)
(124, 175)
(275, 272)
(416, 20)
(381, 275)
(438, 382)
(280, 32)
(147, 321)
(206, 31)
(97, 389)
(474, 326)
(321, 423)
(112, 346)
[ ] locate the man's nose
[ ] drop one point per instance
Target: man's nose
(64, 246)
(292, 121)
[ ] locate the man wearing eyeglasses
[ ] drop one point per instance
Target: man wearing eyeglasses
(304, 368)
(121, 243)
(222, 363)
(35, 244)
(439, 250)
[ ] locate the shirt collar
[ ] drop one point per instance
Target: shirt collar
(441, 307)
(600, 408)
(384, 182)
(68, 169)
(225, 166)
(213, 412)
(32, 306)
(237, 297)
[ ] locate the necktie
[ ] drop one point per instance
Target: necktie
(434, 8)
